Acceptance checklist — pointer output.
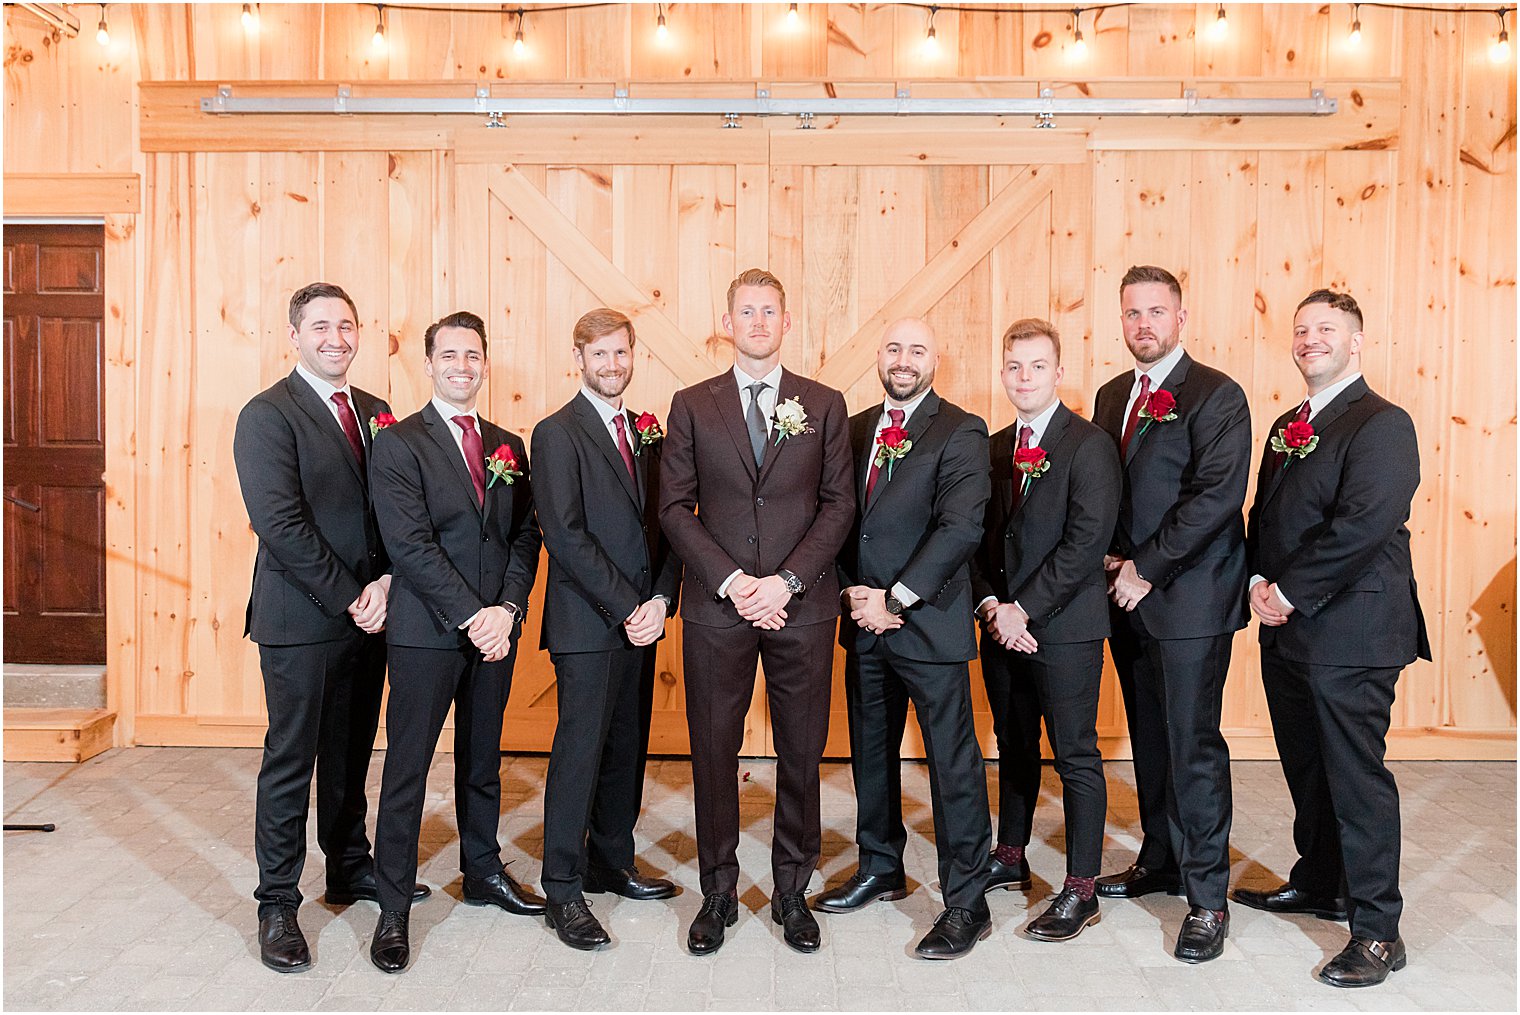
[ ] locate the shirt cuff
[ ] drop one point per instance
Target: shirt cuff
(1282, 598)
(723, 589)
(904, 594)
(990, 599)
(467, 623)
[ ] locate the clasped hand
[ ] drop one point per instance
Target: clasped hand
(1009, 626)
(1125, 586)
(868, 608)
(645, 624)
(491, 632)
(368, 610)
(1267, 606)
(761, 601)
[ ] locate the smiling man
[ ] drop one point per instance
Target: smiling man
(1333, 586)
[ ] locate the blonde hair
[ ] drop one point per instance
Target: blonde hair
(601, 321)
(1031, 327)
(756, 277)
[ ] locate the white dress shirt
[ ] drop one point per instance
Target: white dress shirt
(903, 594)
(607, 412)
(448, 412)
(1316, 402)
(767, 409)
(325, 392)
(1037, 428)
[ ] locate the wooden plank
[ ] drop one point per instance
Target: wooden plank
(1359, 241)
(355, 247)
(859, 40)
(1161, 37)
(72, 194)
(1290, 211)
(590, 143)
(57, 734)
(701, 42)
(411, 308)
(120, 350)
(993, 47)
(1237, 51)
(852, 146)
(685, 357)
(1295, 39)
(942, 271)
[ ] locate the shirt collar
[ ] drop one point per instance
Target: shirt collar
(448, 412)
(773, 379)
(1318, 402)
(603, 410)
(1039, 424)
(323, 389)
(907, 410)
(1162, 368)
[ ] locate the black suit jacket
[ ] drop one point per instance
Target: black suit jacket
(309, 503)
(790, 514)
(920, 527)
(1180, 516)
(1329, 530)
(601, 528)
(1048, 554)
(451, 556)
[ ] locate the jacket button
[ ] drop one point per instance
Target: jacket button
(760, 501)
(864, 538)
(643, 570)
(751, 539)
(485, 539)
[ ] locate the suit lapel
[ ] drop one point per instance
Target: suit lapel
(861, 433)
(1173, 385)
(1050, 440)
(787, 389)
(439, 430)
(919, 426)
(1321, 422)
(730, 405)
(303, 395)
(591, 422)
(640, 460)
(491, 438)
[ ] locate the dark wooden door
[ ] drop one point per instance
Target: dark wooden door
(55, 605)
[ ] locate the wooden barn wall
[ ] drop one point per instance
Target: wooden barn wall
(1407, 198)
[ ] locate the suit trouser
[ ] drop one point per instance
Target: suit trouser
(877, 690)
(324, 706)
(1331, 725)
(595, 782)
(1059, 682)
(1173, 695)
(424, 683)
(720, 681)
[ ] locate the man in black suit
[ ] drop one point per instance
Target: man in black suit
(455, 507)
(765, 455)
(1333, 586)
(318, 603)
(1038, 582)
(904, 573)
(612, 580)
(1177, 580)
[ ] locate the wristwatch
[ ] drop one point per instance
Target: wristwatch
(894, 605)
(793, 583)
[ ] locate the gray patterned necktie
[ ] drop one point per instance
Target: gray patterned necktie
(756, 421)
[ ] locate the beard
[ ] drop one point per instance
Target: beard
(903, 391)
(609, 384)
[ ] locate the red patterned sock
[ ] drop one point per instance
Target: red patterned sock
(1084, 887)
(1010, 856)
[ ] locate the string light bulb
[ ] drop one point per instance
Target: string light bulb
(660, 31)
(1499, 51)
(1221, 26)
(102, 30)
(250, 17)
(931, 43)
(519, 45)
(1355, 38)
(791, 16)
(378, 39)
(1078, 44)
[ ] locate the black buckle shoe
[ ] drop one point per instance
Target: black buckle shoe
(1288, 899)
(1136, 881)
(798, 927)
(282, 946)
(719, 910)
(956, 931)
(500, 890)
(365, 890)
(1365, 963)
(1065, 918)
(1202, 935)
(391, 949)
(1008, 876)
(627, 882)
(861, 890)
(575, 925)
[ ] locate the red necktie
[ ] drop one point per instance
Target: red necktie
(1134, 415)
(1019, 479)
(350, 426)
(623, 449)
(1302, 417)
(474, 456)
(896, 416)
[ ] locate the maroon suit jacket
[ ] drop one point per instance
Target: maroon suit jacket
(721, 514)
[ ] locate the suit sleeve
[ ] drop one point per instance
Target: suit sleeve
(1381, 474)
(522, 564)
(666, 564)
(560, 489)
(693, 544)
(264, 453)
(817, 551)
(383, 561)
(405, 525)
(987, 558)
(1092, 510)
(1214, 492)
(961, 492)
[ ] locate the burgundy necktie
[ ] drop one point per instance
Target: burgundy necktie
(1302, 417)
(350, 426)
(896, 416)
(623, 448)
(1134, 415)
(1019, 479)
(474, 455)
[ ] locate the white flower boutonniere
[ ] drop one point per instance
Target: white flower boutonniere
(791, 420)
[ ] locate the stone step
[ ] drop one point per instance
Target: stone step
(33, 685)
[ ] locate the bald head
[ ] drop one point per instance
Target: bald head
(907, 358)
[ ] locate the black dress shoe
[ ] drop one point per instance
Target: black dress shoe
(1065, 918)
(860, 890)
(798, 927)
(1202, 935)
(1288, 899)
(1365, 963)
(1008, 876)
(366, 890)
(390, 950)
(956, 932)
(501, 890)
(627, 882)
(1135, 881)
(282, 946)
(719, 910)
(575, 925)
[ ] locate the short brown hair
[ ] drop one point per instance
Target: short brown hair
(316, 291)
(458, 319)
(1032, 327)
(601, 321)
(1335, 301)
(1142, 273)
(756, 277)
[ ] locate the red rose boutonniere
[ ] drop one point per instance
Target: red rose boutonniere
(1295, 440)
(1160, 407)
(892, 443)
(502, 465)
(379, 422)
(647, 426)
(1032, 463)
